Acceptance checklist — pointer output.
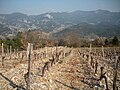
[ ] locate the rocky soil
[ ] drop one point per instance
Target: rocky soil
(70, 73)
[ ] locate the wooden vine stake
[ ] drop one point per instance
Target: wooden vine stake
(90, 54)
(29, 53)
(3, 55)
(7, 51)
(56, 51)
(17, 53)
(115, 73)
(46, 51)
(51, 52)
(10, 52)
(103, 55)
(95, 50)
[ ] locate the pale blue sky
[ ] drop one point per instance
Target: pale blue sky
(42, 6)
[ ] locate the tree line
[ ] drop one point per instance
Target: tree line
(40, 40)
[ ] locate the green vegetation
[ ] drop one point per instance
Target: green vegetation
(115, 41)
(15, 43)
(106, 42)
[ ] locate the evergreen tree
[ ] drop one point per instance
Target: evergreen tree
(106, 42)
(115, 41)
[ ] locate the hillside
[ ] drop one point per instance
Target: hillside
(5, 30)
(98, 20)
(85, 29)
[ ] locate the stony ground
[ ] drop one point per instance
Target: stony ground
(71, 73)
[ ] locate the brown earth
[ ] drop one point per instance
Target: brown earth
(71, 73)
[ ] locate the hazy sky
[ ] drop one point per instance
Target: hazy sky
(42, 6)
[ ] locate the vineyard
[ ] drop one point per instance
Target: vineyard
(60, 68)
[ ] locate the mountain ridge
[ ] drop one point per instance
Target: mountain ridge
(54, 22)
(85, 29)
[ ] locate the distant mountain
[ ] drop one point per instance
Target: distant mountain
(91, 30)
(55, 22)
(5, 30)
